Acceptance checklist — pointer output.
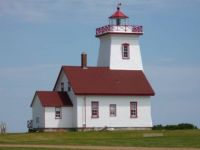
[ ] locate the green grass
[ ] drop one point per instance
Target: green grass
(177, 138)
(8, 148)
(27, 148)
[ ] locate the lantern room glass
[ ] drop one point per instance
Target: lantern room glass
(118, 21)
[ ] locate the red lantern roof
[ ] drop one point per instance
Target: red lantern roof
(118, 14)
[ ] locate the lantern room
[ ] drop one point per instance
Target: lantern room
(118, 18)
(119, 23)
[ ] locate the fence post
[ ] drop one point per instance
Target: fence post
(2, 127)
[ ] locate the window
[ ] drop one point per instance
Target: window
(133, 109)
(58, 113)
(37, 120)
(118, 21)
(125, 51)
(69, 87)
(62, 86)
(113, 112)
(95, 109)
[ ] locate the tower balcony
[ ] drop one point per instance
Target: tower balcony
(119, 29)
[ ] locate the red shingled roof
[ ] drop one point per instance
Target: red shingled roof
(118, 14)
(103, 81)
(53, 99)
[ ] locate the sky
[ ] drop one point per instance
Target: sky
(37, 37)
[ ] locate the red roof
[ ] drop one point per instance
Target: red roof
(103, 81)
(118, 14)
(53, 99)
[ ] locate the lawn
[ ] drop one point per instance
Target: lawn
(176, 138)
(6, 148)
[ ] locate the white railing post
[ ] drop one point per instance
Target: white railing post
(135, 29)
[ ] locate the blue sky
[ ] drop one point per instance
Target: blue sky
(38, 36)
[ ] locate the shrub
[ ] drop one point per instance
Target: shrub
(32, 130)
(186, 126)
(158, 127)
(171, 127)
(181, 126)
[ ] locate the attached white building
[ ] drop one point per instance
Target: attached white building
(115, 94)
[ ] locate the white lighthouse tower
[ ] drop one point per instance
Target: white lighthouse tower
(119, 44)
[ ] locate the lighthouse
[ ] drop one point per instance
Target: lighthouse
(119, 43)
(114, 94)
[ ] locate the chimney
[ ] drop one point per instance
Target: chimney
(84, 60)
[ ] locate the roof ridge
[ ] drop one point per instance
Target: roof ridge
(87, 66)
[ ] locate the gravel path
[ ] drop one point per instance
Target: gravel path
(90, 147)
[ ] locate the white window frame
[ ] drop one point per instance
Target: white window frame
(58, 113)
(62, 86)
(113, 110)
(125, 51)
(94, 109)
(133, 109)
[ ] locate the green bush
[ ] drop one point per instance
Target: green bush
(186, 126)
(158, 127)
(181, 126)
(171, 127)
(32, 130)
